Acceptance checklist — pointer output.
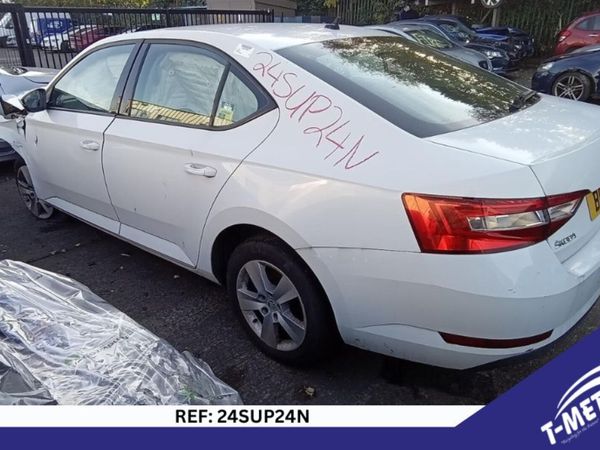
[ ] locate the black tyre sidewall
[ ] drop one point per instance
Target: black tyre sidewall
(321, 332)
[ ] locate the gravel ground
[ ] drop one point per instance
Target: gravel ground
(193, 314)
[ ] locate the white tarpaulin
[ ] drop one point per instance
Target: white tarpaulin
(60, 343)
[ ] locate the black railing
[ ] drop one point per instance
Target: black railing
(50, 37)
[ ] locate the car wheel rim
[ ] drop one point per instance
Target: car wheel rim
(37, 207)
(571, 87)
(271, 305)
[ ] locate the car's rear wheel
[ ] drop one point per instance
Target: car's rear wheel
(573, 85)
(279, 302)
(37, 207)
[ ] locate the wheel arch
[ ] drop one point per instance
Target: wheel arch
(218, 248)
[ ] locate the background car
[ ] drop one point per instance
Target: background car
(454, 26)
(575, 75)
(16, 80)
(426, 34)
(501, 63)
(581, 32)
(87, 36)
(39, 24)
(60, 41)
(523, 42)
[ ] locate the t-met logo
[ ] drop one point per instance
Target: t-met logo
(573, 417)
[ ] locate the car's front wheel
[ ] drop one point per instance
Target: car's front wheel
(37, 207)
(574, 86)
(279, 302)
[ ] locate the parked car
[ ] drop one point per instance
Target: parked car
(575, 75)
(426, 34)
(60, 41)
(39, 24)
(524, 42)
(338, 182)
(581, 32)
(16, 80)
(501, 63)
(466, 35)
(87, 36)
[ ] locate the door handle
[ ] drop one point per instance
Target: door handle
(594, 35)
(90, 145)
(200, 169)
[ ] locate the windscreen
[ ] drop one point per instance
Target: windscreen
(416, 88)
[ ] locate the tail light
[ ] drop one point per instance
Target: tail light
(469, 225)
(563, 35)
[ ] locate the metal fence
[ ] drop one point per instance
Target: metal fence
(50, 37)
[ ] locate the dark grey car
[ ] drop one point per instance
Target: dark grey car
(429, 36)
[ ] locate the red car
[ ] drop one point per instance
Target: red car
(583, 31)
(85, 37)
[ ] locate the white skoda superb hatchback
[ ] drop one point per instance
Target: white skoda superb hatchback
(341, 183)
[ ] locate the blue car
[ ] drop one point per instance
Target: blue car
(575, 76)
(456, 28)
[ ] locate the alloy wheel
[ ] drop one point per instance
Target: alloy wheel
(570, 86)
(271, 305)
(37, 207)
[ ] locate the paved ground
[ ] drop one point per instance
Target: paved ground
(193, 314)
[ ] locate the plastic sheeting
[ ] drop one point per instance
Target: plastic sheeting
(62, 344)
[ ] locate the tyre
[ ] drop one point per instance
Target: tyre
(573, 85)
(37, 207)
(280, 303)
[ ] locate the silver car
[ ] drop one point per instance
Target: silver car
(427, 35)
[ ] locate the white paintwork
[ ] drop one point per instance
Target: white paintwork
(341, 209)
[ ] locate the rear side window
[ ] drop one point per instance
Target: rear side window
(90, 85)
(237, 102)
(193, 86)
(419, 90)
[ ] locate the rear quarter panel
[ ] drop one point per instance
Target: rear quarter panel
(332, 173)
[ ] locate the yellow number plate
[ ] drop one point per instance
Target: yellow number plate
(593, 201)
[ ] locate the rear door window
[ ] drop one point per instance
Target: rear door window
(194, 86)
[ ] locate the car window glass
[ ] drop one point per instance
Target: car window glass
(587, 24)
(419, 90)
(90, 85)
(236, 103)
(429, 38)
(177, 83)
(596, 25)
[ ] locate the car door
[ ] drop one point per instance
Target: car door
(189, 117)
(64, 142)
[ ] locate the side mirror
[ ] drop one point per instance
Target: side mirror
(34, 101)
(12, 107)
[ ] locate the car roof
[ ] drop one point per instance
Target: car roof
(272, 36)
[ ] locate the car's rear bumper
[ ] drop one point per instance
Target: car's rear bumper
(399, 303)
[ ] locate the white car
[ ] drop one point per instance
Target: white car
(340, 182)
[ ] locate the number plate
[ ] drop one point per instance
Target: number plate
(593, 201)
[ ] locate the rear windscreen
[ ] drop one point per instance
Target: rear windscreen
(418, 89)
